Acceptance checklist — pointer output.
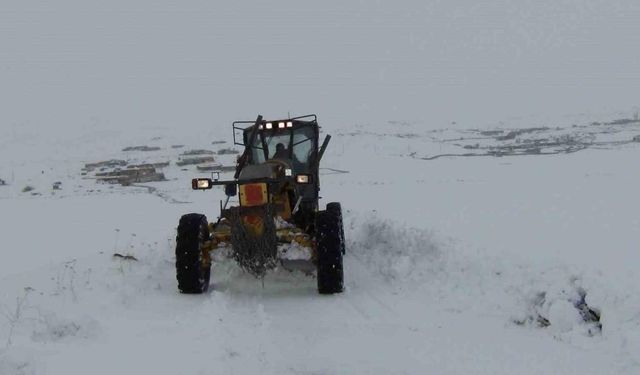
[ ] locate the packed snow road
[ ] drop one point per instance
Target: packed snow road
(469, 265)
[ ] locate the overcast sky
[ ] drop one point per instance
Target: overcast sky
(120, 64)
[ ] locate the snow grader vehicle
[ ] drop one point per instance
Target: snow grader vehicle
(277, 220)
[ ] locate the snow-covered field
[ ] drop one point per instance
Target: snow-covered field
(488, 178)
(454, 264)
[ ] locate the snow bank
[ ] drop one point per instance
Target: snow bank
(396, 253)
(568, 303)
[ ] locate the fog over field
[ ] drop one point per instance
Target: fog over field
(124, 64)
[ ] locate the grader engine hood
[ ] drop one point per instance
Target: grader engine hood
(253, 194)
(253, 172)
(257, 193)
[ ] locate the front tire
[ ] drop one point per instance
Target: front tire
(336, 209)
(329, 253)
(193, 267)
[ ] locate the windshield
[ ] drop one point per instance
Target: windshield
(281, 145)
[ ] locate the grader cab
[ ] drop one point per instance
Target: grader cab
(277, 220)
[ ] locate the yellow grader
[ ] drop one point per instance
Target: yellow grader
(278, 220)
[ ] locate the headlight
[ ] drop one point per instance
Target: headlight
(269, 125)
(289, 124)
(281, 125)
(303, 178)
(201, 184)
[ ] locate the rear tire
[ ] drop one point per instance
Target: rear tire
(329, 251)
(192, 269)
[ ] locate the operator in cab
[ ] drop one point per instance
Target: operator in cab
(281, 152)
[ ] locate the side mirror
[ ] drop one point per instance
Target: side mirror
(231, 190)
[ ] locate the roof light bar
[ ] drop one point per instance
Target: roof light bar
(281, 125)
